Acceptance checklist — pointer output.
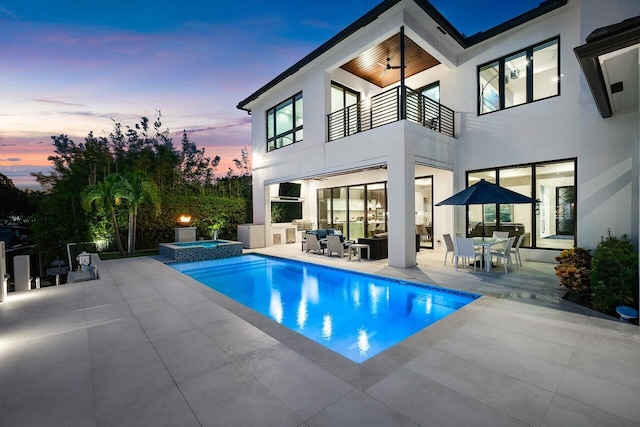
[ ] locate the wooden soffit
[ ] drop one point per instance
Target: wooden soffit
(372, 64)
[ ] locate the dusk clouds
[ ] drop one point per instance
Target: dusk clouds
(75, 67)
(72, 67)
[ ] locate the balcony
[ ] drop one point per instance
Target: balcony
(388, 107)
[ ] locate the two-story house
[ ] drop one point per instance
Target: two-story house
(400, 110)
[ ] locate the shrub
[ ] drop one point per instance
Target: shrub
(573, 271)
(614, 273)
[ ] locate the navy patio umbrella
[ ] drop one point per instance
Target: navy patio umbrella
(484, 193)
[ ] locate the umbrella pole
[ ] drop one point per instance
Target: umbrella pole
(482, 221)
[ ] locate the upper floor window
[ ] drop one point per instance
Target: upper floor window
(431, 91)
(284, 123)
(519, 78)
(342, 97)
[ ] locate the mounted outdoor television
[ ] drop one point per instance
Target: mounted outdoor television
(289, 190)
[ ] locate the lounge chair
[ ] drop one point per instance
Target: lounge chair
(335, 245)
(313, 244)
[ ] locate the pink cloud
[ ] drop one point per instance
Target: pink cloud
(57, 102)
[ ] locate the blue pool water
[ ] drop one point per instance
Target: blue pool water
(203, 243)
(356, 315)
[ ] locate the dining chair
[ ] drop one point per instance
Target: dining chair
(500, 235)
(450, 247)
(466, 250)
(504, 256)
(516, 250)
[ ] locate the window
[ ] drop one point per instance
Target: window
(357, 211)
(431, 91)
(284, 123)
(345, 117)
(515, 80)
(342, 97)
(424, 210)
(520, 78)
(550, 223)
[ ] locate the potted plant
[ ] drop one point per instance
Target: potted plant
(573, 270)
(213, 227)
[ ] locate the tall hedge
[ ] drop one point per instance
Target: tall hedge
(614, 270)
(203, 209)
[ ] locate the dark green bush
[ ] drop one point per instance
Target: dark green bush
(614, 273)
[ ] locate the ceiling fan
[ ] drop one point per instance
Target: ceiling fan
(388, 66)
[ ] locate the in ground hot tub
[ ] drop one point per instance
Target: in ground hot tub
(200, 250)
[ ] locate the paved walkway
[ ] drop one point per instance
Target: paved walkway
(146, 346)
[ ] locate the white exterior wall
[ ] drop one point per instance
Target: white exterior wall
(609, 157)
(539, 131)
(563, 127)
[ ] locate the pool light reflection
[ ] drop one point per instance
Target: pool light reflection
(327, 327)
(363, 341)
(275, 306)
(303, 313)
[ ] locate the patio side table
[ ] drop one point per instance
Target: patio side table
(359, 247)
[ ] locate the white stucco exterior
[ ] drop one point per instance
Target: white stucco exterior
(562, 127)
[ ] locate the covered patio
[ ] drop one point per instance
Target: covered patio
(145, 345)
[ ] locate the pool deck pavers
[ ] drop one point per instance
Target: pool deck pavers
(146, 346)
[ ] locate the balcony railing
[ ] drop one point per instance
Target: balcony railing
(387, 107)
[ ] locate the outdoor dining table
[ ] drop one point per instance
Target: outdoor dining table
(486, 243)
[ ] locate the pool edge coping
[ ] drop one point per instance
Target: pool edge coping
(360, 375)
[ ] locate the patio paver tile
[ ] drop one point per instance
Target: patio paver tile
(230, 396)
(302, 385)
(603, 394)
(190, 354)
(506, 394)
(429, 403)
(357, 408)
(567, 412)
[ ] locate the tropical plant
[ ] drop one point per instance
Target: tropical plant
(573, 271)
(145, 147)
(614, 273)
(137, 189)
(106, 195)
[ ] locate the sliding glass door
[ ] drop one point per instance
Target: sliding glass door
(424, 211)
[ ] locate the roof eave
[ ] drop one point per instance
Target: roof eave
(363, 21)
(588, 56)
(544, 8)
(373, 14)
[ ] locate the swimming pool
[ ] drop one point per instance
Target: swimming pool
(354, 314)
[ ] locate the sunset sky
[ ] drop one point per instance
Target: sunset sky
(73, 66)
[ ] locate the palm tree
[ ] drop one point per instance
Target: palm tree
(105, 195)
(138, 190)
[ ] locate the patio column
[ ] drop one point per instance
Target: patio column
(401, 204)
